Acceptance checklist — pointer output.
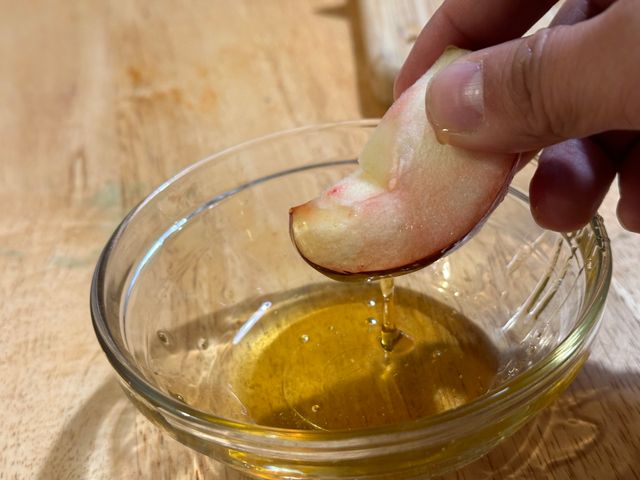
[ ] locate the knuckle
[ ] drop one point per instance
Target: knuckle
(531, 90)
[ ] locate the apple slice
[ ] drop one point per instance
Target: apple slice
(411, 201)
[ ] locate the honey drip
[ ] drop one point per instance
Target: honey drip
(390, 334)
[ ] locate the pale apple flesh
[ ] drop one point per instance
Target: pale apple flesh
(412, 199)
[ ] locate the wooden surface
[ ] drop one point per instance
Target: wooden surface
(100, 101)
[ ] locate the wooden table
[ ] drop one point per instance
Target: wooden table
(100, 101)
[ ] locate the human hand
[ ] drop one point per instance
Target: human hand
(573, 88)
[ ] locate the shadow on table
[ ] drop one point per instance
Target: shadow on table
(109, 439)
(370, 106)
(590, 432)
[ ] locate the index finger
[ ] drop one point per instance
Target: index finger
(468, 24)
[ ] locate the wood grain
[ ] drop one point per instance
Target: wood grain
(103, 100)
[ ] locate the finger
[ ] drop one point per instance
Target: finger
(574, 11)
(629, 182)
(571, 11)
(467, 24)
(569, 184)
(564, 82)
(617, 143)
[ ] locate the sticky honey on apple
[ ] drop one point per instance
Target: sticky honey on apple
(317, 361)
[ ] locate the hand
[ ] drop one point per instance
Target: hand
(573, 88)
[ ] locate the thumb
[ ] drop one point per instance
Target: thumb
(563, 82)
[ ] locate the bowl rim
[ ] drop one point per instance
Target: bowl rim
(513, 392)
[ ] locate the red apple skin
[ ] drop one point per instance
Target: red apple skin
(411, 201)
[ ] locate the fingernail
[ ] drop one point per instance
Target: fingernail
(455, 102)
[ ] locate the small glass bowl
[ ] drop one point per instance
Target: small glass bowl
(216, 236)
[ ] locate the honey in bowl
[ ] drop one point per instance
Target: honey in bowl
(331, 358)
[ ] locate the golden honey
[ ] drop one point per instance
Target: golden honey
(333, 359)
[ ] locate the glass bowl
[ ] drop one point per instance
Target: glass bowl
(207, 257)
